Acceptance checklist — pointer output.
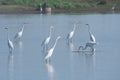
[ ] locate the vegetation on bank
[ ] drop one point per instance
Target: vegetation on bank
(58, 4)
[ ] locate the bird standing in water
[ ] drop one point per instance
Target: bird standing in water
(50, 52)
(70, 35)
(10, 44)
(91, 43)
(47, 40)
(19, 34)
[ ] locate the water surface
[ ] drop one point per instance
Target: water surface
(27, 62)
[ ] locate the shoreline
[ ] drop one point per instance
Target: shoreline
(35, 11)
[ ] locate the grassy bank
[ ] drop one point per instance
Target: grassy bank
(58, 4)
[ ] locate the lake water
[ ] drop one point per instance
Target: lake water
(27, 62)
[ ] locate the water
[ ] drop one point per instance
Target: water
(27, 62)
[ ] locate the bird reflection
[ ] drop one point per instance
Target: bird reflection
(71, 46)
(20, 59)
(50, 69)
(20, 43)
(90, 67)
(10, 67)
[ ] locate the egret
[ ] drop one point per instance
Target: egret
(41, 9)
(70, 35)
(47, 40)
(19, 34)
(92, 37)
(50, 52)
(91, 43)
(10, 44)
(113, 7)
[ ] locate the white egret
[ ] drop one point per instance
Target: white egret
(91, 43)
(50, 52)
(47, 40)
(92, 37)
(19, 34)
(41, 9)
(10, 44)
(113, 7)
(70, 35)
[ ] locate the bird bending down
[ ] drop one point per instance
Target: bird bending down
(50, 52)
(47, 40)
(91, 43)
(19, 34)
(70, 35)
(10, 44)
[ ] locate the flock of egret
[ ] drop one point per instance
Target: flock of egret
(45, 43)
(70, 35)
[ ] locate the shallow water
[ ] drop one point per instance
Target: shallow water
(27, 62)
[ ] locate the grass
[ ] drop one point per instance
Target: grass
(58, 4)
(10, 7)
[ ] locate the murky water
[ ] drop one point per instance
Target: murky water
(27, 61)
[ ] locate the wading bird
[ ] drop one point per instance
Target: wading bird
(41, 9)
(47, 40)
(10, 44)
(19, 34)
(92, 37)
(50, 52)
(91, 43)
(113, 7)
(70, 35)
